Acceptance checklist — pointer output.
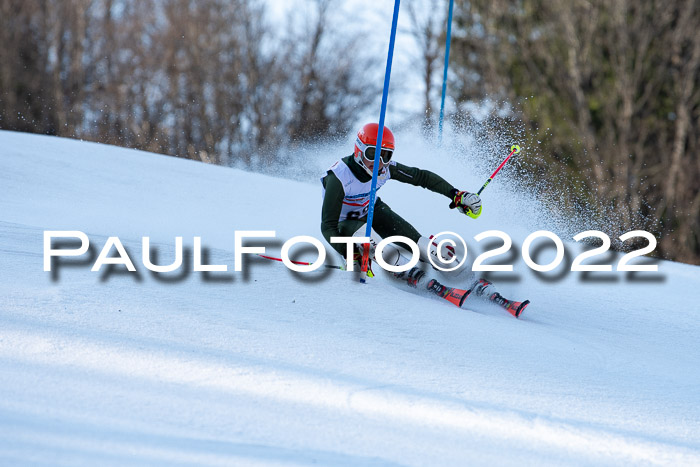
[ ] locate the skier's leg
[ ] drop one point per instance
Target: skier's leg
(348, 227)
(357, 228)
(387, 223)
(391, 254)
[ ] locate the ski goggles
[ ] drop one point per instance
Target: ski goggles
(369, 152)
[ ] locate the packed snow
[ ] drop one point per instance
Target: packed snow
(270, 367)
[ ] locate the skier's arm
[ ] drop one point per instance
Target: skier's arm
(330, 212)
(467, 203)
(423, 178)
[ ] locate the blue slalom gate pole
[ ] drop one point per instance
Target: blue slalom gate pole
(378, 150)
(444, 74)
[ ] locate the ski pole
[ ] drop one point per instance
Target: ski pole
(514, 149)
(302, 263)
(380, 133)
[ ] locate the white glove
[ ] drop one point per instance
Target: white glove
(467, 203)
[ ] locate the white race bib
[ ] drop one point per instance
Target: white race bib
(356, 200)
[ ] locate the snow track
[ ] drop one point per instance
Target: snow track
(267, 368)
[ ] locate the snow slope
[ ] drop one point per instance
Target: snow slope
(268, 367)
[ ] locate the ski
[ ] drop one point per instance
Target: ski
(451, 294)
(512, 307)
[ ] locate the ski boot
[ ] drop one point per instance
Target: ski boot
(413, 276)
(485, 289)
(451, 294)
(514, 308)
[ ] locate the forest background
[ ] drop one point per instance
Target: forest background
(604, 93)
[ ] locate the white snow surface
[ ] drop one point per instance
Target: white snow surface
(270, 367)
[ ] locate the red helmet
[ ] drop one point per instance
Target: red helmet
(366, 144)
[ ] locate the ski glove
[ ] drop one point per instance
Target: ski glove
(466, 203)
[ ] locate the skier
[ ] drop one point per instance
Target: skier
(346, 202)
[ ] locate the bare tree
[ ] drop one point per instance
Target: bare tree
(612, 94)
(428, 30)
(328, 76)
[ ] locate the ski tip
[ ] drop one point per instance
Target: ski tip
(521, 308)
